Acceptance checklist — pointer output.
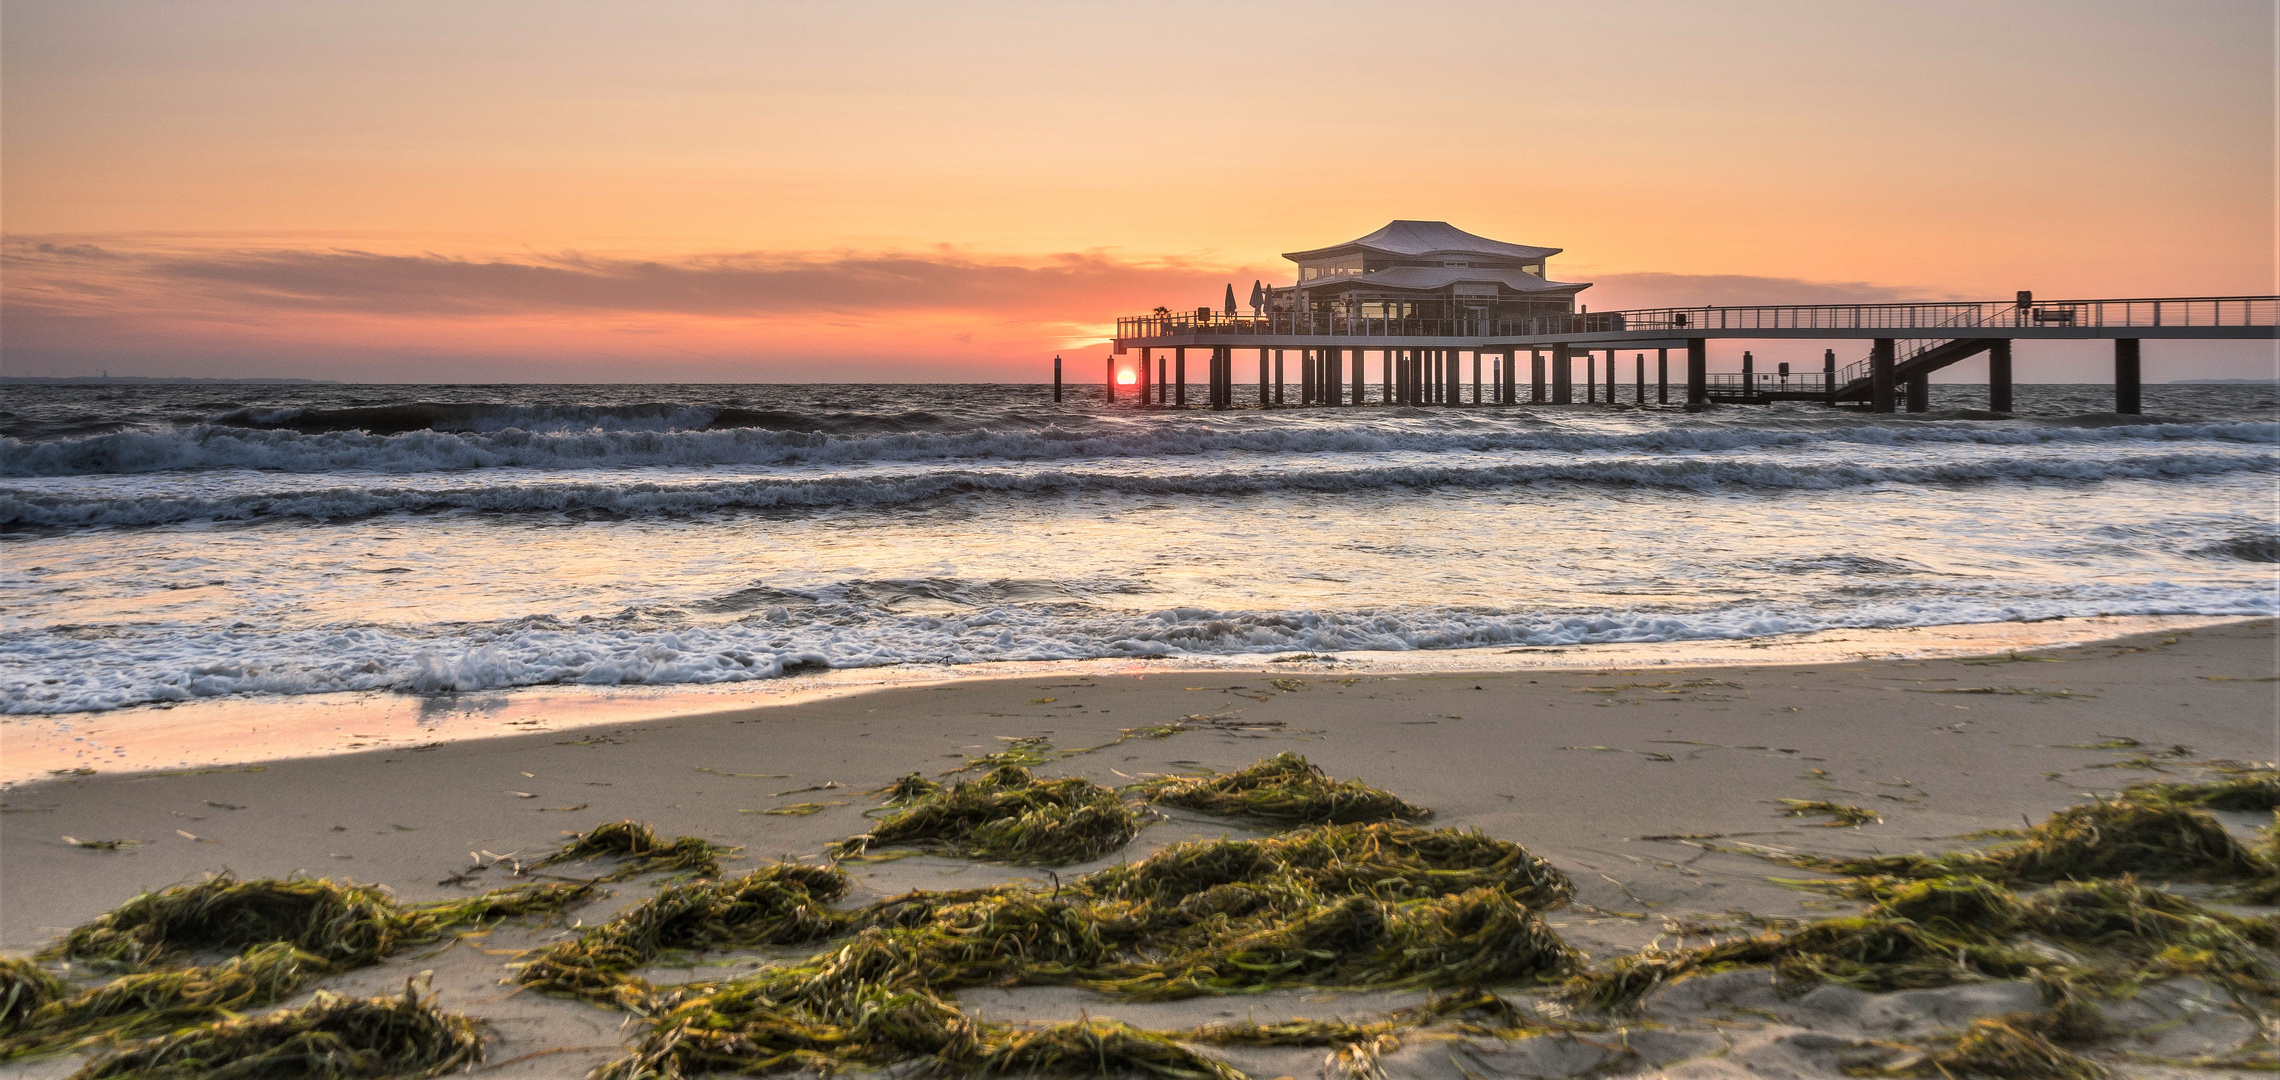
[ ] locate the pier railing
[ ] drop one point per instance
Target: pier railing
(1735, 383)
(1932, 320)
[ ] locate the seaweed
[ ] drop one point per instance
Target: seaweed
(1007, 815)
(2253, 790)
(2104, 839)
(1377, 905)
(24, 988)
(2014, 1046)
(286, 932)
(777, 904)
(333, 1037)
(1096, 1047)
(1841, 815)
(637, 843)
(1283, 790)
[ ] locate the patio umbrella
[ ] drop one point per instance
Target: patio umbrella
(1231, 298)
(1258, 296)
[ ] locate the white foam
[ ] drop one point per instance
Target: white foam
(49, 672)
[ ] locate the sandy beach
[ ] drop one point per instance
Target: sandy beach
(1598, 770)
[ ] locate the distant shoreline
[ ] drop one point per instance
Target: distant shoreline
(147, 380)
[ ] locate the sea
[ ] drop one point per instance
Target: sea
(163, 543)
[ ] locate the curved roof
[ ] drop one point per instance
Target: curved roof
(1415, 239)
(1428, 278)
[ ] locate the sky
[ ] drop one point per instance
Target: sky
(871, 190)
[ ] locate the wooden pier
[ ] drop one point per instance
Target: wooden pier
(1430, 361)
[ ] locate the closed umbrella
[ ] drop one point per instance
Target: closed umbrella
(1258, 296)
(1231, 298)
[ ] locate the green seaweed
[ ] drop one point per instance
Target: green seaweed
(2109, 838)
(1840, 815)
(331, 1037)
(639, 845)
(1283, 790)
(24, 988)
(1007, 815)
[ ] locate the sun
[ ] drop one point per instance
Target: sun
(1126, 377)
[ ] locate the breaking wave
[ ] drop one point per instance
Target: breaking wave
(641, 497)
(375, 444)
(149, 664)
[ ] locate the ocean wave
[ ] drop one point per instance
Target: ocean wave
(69, 670)
(806, 439)
(22, 508)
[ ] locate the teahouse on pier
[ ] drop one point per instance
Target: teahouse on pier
(1430, 301)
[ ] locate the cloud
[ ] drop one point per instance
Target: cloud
(731, 286)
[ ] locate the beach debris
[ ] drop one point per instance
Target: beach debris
(188, 835)
(1841, 816)
(331, 1036)
(562, 809)
(223, 805)
(747, 775)
(1008, 815)
(797, 809)
(828, 785)
(1285, 790)
(638, 844)
(100, 845)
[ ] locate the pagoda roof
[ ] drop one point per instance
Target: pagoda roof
(1431, 278)
(1416, 239)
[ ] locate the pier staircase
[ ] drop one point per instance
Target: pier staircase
(1910, 360)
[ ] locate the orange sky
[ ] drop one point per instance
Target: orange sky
(891, 191)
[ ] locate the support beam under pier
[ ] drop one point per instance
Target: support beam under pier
(1880, 375)
(1179, 376)
(1698, 371)
(2127, 377)
(1920, 393)
(1999, 375)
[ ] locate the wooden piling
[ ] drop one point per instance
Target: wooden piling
(1057, 378)
(1563, 376)
(1360, 377)
(1880, 360)
(1999, 375)
(1111, 379)
(1698, 371)
(1535, 377)
(1262, 377)
(1829, 374)
(1662, 376)
(1920, 393)
(2127, 386)
(1147, 360)
(1476, 377)
(1163, 385)
(1642, 359)
(1179, 376)
(1330, 379)
(1590, 377)
(1278, 376)
(1611, 376)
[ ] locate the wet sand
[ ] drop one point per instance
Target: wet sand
(1583, 767)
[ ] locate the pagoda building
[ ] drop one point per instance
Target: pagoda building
(1426, 270)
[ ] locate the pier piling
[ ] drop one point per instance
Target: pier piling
(1147, 360)
(1998, 375)
(1698, 371)
(1642, 358)
(1662, 376)
(1057, 378)
(2126, 376)
(1919, 393)
(1880, 375)
(1111, 379)
(1179, 376)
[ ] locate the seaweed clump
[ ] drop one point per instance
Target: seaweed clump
(2105, 839)
(778, 904)
(1285, 789)
(1008, 815)
(2253, 790)
(24, 987)
(1364, 905)
(333, 1036)
(285, 932)
(640, 847)
(1840, 815)
(2110, 936)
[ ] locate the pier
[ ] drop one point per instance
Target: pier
(1421, 313)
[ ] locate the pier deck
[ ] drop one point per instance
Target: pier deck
(1421, 359)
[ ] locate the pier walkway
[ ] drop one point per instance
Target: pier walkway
(1421, 361)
